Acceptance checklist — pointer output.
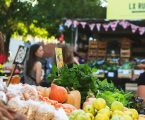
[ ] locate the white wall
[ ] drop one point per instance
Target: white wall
(14, 45)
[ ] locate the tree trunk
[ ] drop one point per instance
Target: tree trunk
(7, 42)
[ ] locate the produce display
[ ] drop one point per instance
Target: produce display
(78, 77)
(81, 78)
(102, 64)
(74, 94)
(106, 65)
(97, 109)
(6, 113)
(34, 103)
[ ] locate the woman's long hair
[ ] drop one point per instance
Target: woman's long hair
(32, 58)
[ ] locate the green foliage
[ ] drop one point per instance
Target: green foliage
(78, 77)
(72, 8)
(37, 31)
(43, 18)
(110, 93)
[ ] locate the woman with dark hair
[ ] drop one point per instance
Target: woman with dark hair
(34, 72)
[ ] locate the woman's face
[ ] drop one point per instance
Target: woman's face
(39, 53)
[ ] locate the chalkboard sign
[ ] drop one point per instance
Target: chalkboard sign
(19, 59)
(21, 55)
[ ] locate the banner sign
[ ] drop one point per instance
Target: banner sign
(126, 9)
(106, 26)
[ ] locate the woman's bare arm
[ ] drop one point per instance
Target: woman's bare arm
(38, 69)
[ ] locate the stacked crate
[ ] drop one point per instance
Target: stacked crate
(92, 50)
(102, 48)
(125, 51)
(97, 49)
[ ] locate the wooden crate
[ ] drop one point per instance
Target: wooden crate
(92, 52)
(93, 44)
(102, 45)
(101, 53)
(125, 53)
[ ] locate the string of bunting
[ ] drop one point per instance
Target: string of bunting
(113, 25)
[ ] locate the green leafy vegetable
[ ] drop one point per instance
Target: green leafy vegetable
(110, 93)
(78, 77)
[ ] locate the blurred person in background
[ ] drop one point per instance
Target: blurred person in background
(33, 70)
(68, 55)
(141, 82)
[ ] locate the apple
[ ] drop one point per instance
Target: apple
(127, 112)
(75, 113)
(82, 116)
(99, 103)
(90, 116)
(118, 112)
(117, 106)
(134, 113)
(105, 111)
(89, 101)
(117, 117)
(127, 117)
(101, 116)
(89, 109)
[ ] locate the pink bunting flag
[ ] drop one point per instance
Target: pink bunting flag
(134, 28)
(98, 25)
(83, 24)
(114, 25)
(68, 23)
(124, 24)
(106, 26)
(75, 23)
(141, 30)
(91, 26)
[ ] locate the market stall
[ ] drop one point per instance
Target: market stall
(114, 43)
(96, 100)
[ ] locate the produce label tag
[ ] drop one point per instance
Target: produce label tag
(59, 57)
(125, 72)
(110, 74)
(138, 72)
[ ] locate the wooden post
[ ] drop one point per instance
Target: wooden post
(12, 72)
